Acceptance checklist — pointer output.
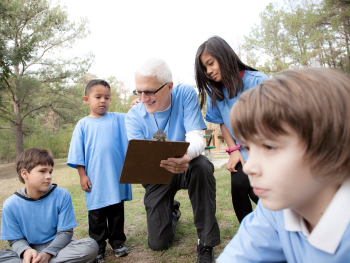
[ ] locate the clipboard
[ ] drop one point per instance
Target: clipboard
(142, 160)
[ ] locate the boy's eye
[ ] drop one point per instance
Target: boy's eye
(268, 147)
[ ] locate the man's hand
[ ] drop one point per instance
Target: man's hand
(235, 157)
(29, 255)
(85, 183)
(176, 165)
(42, 257)
(134, 102)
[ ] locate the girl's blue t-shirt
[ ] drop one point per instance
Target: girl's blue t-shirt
(184, 115)
(100, 145)
(37, 221)
(220, 114)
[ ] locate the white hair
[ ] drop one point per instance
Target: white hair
(155, 67)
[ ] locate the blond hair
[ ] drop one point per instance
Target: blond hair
(314, 102)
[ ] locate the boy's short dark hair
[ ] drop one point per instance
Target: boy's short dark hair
(315, 102)
(31, 158)
(95, 82)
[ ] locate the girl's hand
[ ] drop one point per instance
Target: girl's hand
(85, 183)
(134, 102)
(235, 157)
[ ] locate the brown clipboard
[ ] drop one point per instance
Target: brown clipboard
(142, 160)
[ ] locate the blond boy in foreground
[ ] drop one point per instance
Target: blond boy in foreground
(296, 128)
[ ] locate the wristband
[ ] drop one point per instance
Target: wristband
(230, 150)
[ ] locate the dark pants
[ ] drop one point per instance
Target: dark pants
(159, 202)
(100, 231)
(240, 192)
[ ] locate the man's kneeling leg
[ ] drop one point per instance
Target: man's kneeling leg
(161, 219)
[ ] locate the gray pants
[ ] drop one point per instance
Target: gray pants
(78, 251)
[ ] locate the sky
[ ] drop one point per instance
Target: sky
(126, 32)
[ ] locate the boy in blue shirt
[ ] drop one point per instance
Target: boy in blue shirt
(97, 150)
(296, 128)
(38, 220)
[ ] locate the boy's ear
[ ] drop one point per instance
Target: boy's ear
(86, 99)
(24, 174)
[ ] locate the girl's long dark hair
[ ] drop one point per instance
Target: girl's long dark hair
(230, 67)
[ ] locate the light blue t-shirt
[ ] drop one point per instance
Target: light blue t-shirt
(262, 237)
(183, 116)
(220, 114)
(37, 221)
(100, 145)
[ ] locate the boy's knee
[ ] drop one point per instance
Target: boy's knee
(88, 248)
(9, 256)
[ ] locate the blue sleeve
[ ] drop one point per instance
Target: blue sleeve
(253, 78)
(133, 126)
(257, 240)
(66, 216)
(76, 154)
(213, 115)
(193, 118)
(10, 228)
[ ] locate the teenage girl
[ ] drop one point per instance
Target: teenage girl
(221, 77)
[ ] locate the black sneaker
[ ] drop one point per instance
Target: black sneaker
(205, 254)
(101, 256)
(120, 250)
(176, 209)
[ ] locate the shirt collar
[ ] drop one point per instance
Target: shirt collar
(325, 236)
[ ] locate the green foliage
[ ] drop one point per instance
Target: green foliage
(48, 128)
(35, 36)
(120, 94)
(301, 33)
(5, 62)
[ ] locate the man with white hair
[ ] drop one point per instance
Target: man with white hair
(175, 110)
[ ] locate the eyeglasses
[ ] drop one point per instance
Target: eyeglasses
(147, 92)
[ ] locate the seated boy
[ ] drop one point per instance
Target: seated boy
(38, 220)
(296, 128)
(97, 150)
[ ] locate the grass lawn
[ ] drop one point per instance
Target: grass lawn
(183, 248)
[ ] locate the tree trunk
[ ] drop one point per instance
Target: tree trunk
(18, 128)
(346, 29)
(19, 138)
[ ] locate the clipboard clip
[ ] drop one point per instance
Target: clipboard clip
(160, 136)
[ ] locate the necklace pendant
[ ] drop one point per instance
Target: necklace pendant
(160, 136)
